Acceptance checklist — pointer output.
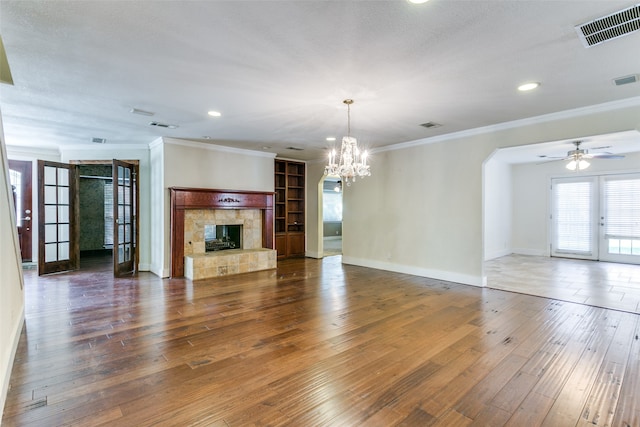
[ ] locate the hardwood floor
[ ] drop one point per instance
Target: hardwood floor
(316, 343)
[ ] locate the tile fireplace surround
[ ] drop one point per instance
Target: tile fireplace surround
(193, 208)
(200, 264)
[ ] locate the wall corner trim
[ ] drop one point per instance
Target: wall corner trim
(17, 332)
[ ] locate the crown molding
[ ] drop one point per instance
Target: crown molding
(32, 150)
(212, 147)
(105, 147)
(566, 114)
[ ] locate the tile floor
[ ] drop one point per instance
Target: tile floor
(332, 246)
(601, 284)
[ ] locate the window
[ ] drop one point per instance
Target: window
(332, 206)
(573, 220)
(108, 215)
(16, 183)
(622, 214)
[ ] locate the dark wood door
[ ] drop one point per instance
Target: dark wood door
(21, 182)
(125, 218)
(58, 248)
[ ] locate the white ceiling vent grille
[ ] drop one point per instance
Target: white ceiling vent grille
(626, 80)
(610, 27)
(162, 125)
(430, 125)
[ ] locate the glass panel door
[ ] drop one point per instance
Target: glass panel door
(57, 241)
(620, 218)
(125, 227)
(574, 214)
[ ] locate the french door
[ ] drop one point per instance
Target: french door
(58, 248)
(125, 229)
(58, 217)
(596, 217)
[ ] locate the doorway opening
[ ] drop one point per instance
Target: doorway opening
(95, 207)
(332, 216)
(59, 215)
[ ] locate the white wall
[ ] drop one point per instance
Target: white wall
(11, 280)
(497, 209)
(421, 210)
(313, 210)
(198, 165)
(156, 198)
(531, 200)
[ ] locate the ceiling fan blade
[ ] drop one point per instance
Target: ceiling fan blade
(558, 159)
(607, 156)
(542, 156)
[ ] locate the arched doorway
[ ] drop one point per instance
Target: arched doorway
(331, 196)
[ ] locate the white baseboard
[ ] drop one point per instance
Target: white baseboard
(310, 254)
(526, 251)
(497, 254)
(158, 271)
(144, 267)
(418, 271)
(7, 374)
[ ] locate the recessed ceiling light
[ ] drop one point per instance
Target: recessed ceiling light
(331, 138)
(417, 1)
(528, 86)
(214, 113)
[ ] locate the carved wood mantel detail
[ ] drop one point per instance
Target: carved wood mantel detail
(203, 198)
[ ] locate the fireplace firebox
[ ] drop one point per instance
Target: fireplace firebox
(221, 237)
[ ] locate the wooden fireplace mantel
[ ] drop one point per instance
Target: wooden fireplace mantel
(204, 198)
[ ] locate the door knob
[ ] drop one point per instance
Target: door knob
(26, 218)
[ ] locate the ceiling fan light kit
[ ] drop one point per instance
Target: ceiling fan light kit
(578, 157)
(577, 165)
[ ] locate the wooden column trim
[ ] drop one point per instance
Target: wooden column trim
(203, 198)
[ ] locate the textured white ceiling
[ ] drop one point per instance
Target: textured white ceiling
(279, 70)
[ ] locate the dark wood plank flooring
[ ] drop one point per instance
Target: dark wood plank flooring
(316, 343)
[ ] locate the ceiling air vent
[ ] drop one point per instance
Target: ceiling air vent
(295, 148)
(99, 140)
(430, 125)
(162, 125)
(625, 80)
(610, 27)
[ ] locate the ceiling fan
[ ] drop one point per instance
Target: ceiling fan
(578, 157)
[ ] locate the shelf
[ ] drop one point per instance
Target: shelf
(289, 183)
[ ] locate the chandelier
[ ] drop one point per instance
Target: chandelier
(352, 163)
